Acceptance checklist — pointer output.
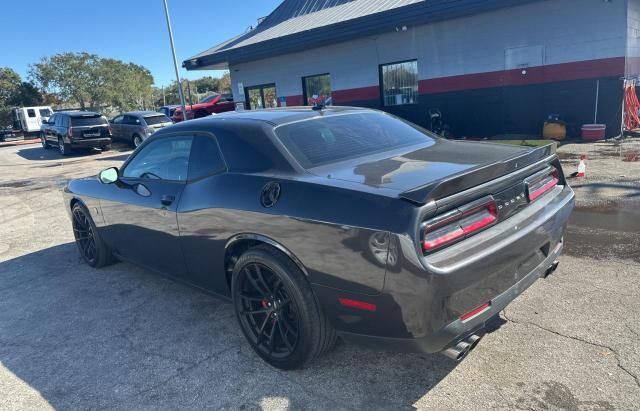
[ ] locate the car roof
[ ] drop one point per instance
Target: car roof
(278, 116)
(143, 113)
(80, 113)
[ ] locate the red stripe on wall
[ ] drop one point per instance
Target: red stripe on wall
(579, 70)
(534, 75)
(294, 101)
(355, 94)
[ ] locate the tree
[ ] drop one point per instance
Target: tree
(9, 84)
(225, 83)
(15, 93)
(94, 82)
(200, 88)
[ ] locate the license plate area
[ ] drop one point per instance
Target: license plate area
(91, 133)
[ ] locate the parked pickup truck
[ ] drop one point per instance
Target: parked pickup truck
(74, 130)
(213, 104)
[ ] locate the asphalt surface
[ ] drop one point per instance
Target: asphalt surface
(122, 337)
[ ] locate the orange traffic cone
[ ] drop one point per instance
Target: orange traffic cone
(582, 167)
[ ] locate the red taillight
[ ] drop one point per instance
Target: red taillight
(458, 224)
(475, 312)
(542, 182)
(361, 305)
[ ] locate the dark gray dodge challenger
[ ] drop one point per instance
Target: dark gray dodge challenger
(319, 223)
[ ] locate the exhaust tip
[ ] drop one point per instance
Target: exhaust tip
(473, 341)
(457, 352)
(553, 267)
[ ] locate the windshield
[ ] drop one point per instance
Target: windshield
(210, 98)
(161, 118)
(88, 121)
(45, 113)
(334, 138)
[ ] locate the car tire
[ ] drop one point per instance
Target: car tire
(136, 140)
(90, 245)
(45, 143)
(201, 113)
(273, 302)
(65, 149)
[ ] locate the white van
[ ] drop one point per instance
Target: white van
(29, 119)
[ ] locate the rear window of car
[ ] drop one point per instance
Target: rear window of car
(88, 121)
(330, 139)
(151, 120)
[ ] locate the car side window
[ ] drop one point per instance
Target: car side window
(164, 159)
(205, 158)
(131, 120)
(59, 121)
(52, 119)
(117, 120)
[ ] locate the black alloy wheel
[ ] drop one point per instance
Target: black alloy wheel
(267, 311)
(277, 309)
(85, 236)
(43, 140)
(92, 249)
(61, 147)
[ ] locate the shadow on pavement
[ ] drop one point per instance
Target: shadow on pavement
(38, 153)
(124, 337)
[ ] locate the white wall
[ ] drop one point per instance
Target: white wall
(541, 33)
(633, 38)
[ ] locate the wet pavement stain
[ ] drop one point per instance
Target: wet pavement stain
(16, 184)
(604, 233)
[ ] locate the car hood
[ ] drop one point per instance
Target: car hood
(417, 167)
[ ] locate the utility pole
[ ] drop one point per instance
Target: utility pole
(164, 98)
(175, 61)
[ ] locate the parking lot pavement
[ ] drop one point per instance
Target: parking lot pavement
(122, 337)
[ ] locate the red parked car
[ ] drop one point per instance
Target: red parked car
(215, 103)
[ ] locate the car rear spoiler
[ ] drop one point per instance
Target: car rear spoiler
(476, 176)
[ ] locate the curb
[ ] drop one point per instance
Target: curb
(19, 142)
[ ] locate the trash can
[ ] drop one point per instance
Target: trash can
(594, 132)
(554, 130)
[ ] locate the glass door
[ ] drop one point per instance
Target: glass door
(263, 96)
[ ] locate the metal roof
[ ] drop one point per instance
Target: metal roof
(294, 16)
(302, 24)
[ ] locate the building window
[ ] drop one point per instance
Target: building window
(317, 89)
(399, 83)
(263, 96)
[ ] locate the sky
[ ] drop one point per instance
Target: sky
(129, 30)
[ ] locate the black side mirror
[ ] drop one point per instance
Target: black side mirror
(109, 175)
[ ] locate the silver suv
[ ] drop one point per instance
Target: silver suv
(137, 126)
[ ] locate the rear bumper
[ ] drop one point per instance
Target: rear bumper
(423, 298)
(458, 330)
(90, 142)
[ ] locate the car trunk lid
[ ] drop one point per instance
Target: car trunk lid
(437, 170)
(89, 126)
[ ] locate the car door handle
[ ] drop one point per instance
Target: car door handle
(166, 200)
